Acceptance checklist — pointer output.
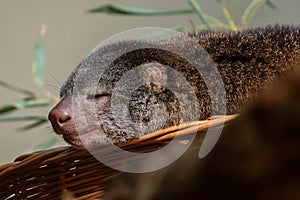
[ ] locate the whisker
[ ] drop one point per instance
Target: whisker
(57, 81)
(56, 88)
(47, 130)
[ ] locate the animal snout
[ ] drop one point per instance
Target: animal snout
(61, 116)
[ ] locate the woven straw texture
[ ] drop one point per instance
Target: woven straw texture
(50, 173)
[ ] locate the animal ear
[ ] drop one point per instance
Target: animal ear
(154, 73)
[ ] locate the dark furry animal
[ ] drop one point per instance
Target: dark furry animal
(248, 61)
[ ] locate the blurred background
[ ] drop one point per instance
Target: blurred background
(71, 32)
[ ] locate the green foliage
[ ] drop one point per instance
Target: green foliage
(30, 100)
(47, 144)
(227, 15)
(125, 10)
(7, 109)
(38, 64)
(252, 9)
(208, 21)
(198, 10)
(16, 88)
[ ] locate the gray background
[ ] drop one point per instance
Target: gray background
(70, 33)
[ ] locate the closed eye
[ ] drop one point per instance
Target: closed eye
(97, 96)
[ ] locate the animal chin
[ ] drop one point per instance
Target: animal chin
(82, 140)
(74, 141)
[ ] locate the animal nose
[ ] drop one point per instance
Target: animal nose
(61, 115)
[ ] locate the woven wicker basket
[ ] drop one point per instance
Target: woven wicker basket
(51, 173)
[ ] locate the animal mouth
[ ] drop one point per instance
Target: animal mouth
(80, 141)
(74, 140)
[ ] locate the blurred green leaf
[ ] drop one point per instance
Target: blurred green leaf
(196, 7)
(250, 11)
(47, 144)
(38, 122)
(215, 23)
(20, 118)
(126, 10)
(271, 5)
(228, 17)
(7, 109)
(38, 64)
(16, 89)
(25, 103)
(194, 27)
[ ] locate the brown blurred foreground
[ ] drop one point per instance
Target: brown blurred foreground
(257, 157)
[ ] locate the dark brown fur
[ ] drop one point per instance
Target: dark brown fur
(248, 61)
